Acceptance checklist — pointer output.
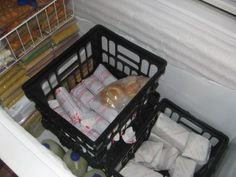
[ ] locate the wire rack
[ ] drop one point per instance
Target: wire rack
(21, 40)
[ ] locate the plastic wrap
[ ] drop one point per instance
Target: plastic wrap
(118, 94)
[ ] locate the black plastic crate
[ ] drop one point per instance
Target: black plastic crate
(121, 58)
(218, 140)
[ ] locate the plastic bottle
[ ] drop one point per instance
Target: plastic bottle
(54, 147)
(77, 164)
(95, 173)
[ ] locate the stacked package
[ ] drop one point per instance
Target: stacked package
(96, 101)
(172, 147)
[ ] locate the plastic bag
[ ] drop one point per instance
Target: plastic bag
(118, 94)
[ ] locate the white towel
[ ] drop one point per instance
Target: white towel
(197, 148)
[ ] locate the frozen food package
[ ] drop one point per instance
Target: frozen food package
(135, 169)
(81, 106)
(89, 132)
(53, 104)
(80, 92)
(69, 105)
(156, 138)
(148, 151)
(93, 84)
(197, 148)
(118, 94)
(166, 159)
(106, 112)
(172, 132)
(183, 167)
(104, 75)
(95, 121)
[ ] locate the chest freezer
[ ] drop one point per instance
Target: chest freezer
(197, 41)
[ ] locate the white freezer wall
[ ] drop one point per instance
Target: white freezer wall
(198, 42)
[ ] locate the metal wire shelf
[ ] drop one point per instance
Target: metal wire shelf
(30, 33)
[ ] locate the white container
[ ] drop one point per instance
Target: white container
(77, 164)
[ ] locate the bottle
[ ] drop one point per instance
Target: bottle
(77, 164)
(95, 173)
(54, 147)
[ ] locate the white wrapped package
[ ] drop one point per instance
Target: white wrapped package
(68, 104)
(106, 112)
(155, 138)
(129, 136)
(53, 104)
(171, 131)
(133, 169)
(183, 167)
(80, 92)
(166, 159)
(91, 133)
(81, 106)
(93, 84)
(149, 151)
(94, 121)
(197, 148)
(102, 74)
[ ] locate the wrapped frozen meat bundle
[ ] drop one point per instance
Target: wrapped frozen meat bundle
(81, 93)
(69, 105)
(102, 74)
(93, 84)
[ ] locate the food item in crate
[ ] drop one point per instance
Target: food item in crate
(148, 152)
(89, 132)
(106, 112)
(41, 3)
(170, 131)
(69, 105)
(76, 163)
(81, 93)
(102, 74)
(95, 173)
(54, 147)
(135, 169)
(197, 148)
(67, 32)
(167, 158)
(53, 104)
(183, 167)
(93, 84)
(118, 94)
(94, 121)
